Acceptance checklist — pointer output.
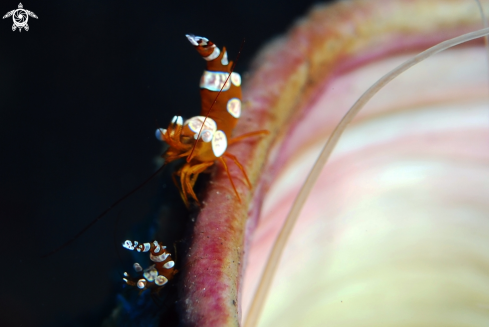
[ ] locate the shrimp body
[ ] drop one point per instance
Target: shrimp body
(156, 275)
(227, 108)
(204, 139)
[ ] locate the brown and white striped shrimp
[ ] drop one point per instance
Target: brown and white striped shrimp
(157, 275)
(204, 139)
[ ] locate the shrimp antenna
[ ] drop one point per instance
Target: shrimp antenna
(62, 246)
(215, 100)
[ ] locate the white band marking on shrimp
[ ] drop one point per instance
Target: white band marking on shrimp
(150, 273)
(137, 267)
(129, 244)
(169, 264)
(157, 246)
(177, 120)
(235, 78)
(214, 81)
(159, 134)
(214, 54)
(219, 143)
(234, 107)
(159, 258)
(141, 283)
(161, 280)
(195, 39)
(195, 124)
(224, 59)
(147, 246)
(206, 135)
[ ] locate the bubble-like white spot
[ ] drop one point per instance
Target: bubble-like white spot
(169, 264)
(141, 283)
(224, 59)
(214, 54)
(137, 267)
(150, 273)
(219, 143)
(159, 258)
(161, 280)
(195, 123)
(206, 136)
(147, 246)
(129, 244)
(234, 107)
(236, 79)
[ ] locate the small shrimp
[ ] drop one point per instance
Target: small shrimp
(158, 274)
(220, 90)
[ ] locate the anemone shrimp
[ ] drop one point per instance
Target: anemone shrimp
(396, 230)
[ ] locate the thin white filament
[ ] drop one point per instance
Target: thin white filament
(276, 253)
(486, 25)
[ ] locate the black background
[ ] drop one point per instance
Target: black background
(79, 96)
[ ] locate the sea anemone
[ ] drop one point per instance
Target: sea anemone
(394, 232)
